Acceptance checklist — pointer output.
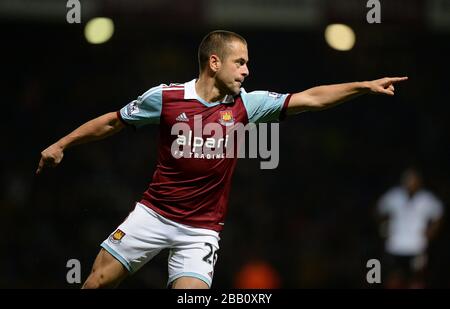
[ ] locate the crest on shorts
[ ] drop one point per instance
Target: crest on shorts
(117, 236)
(226, 118)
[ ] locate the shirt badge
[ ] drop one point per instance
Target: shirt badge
(226, 118)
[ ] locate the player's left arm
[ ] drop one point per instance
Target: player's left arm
(436, 218)
(433, 229)
(323, 97)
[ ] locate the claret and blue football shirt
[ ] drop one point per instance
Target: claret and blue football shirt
(190, 186)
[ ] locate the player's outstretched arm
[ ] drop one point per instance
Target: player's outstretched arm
(95, 129)
(323, 97)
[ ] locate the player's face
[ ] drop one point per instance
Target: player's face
(233, 69)
(412, 181)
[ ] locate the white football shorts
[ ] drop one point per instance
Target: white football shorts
(144, 233)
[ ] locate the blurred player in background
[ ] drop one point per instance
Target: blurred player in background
(410, 218)
(184, 207)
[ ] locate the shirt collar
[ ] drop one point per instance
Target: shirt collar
(191, 94)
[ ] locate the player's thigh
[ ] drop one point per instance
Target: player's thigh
(107, 271)
(107, 263)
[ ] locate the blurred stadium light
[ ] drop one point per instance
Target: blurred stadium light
(340, 37)
(99, 30)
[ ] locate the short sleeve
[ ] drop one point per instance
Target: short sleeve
(146, 109)
(265, 106)
(384, 205)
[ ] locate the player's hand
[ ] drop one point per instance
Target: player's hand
(50, 157)
(385, 85)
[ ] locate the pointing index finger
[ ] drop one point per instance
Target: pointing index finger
(398, 79)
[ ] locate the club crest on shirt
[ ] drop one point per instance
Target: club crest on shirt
(117, 236)
(226, 118)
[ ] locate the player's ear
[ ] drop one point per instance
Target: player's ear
(214, 63)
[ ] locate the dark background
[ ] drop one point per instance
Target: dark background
(311, 218)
